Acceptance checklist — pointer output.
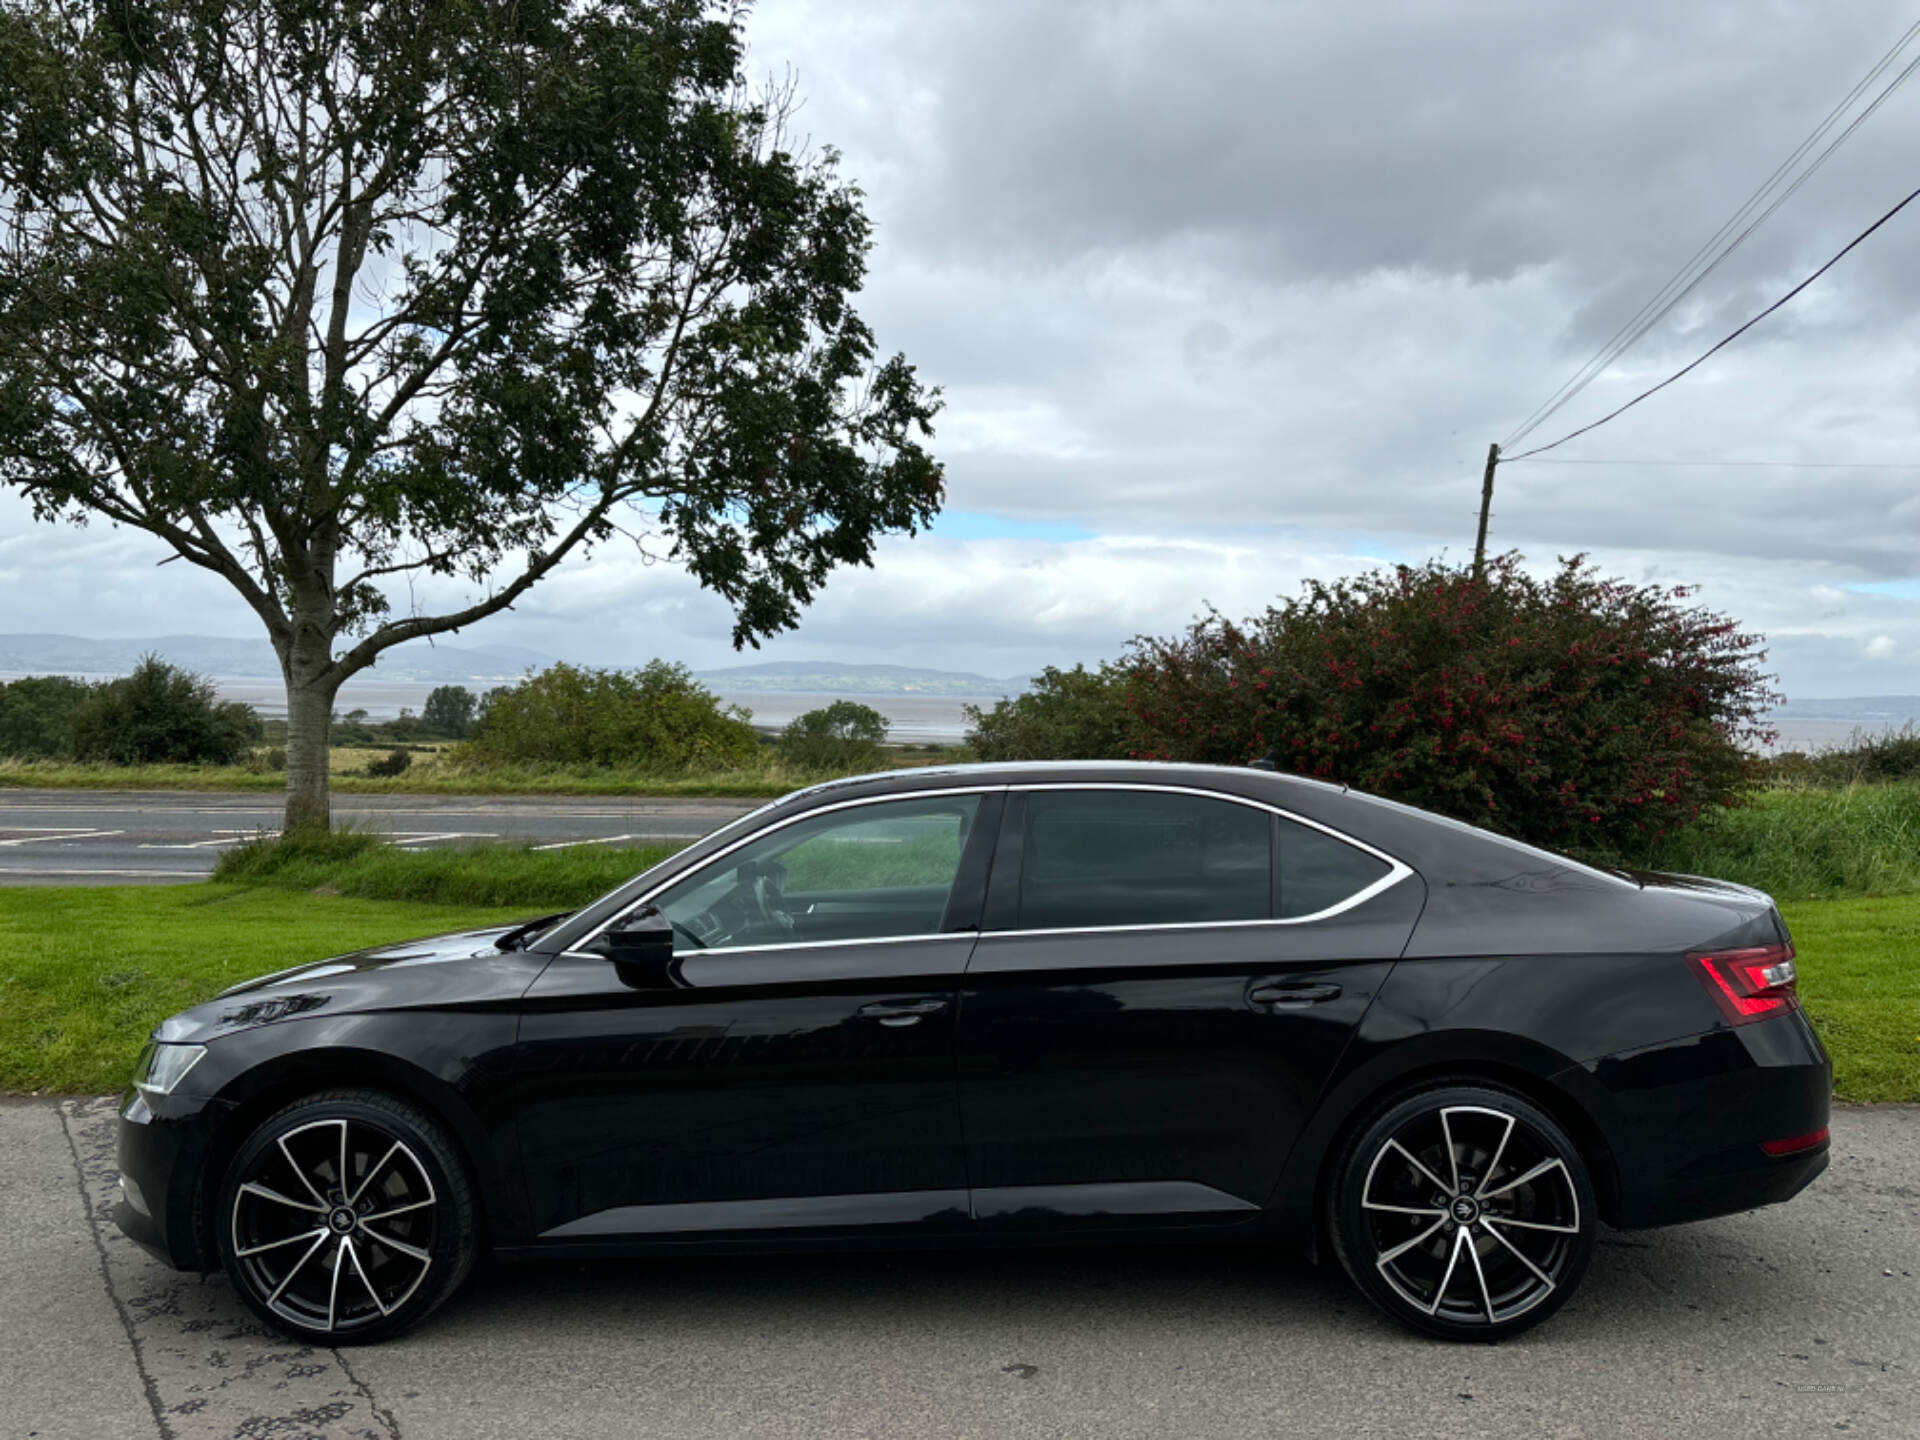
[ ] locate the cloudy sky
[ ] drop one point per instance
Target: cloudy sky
(1223, 295)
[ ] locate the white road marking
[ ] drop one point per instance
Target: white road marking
(194, 844)
(407, 839)
(570, 844)
(7, 871)
(67, 833)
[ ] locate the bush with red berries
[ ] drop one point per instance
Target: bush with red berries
(1570, 711)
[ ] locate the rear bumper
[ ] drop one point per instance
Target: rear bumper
(1687, 1119)
(163, 1153)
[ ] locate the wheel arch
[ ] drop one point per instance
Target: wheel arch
(1534, 1072)
(278, 1082)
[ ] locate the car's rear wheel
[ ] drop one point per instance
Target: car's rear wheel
(346, 1217)
(1467, 1212)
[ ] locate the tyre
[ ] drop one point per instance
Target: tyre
(1464, 1211)
(346, 1217)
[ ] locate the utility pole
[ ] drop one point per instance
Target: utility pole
(1486, 505)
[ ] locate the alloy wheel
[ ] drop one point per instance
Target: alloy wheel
(1472, 1214)
(333, 1224)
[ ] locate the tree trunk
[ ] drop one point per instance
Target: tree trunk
(310, 696)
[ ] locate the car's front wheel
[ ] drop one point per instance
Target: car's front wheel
(346, 1217)
(1464, 1211)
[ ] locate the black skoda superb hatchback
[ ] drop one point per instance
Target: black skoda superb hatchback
(1002, 1004)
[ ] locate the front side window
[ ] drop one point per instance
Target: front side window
(1121, 857)
(866, 872)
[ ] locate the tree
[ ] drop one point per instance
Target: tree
(449, 711)
(1574, 710)
(36, 715)
(658, 718)
(1076, 714)
(332, 297)
(845, 735)
(162, 715)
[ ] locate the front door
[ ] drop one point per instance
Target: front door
(1165, 981)
(798, 1072)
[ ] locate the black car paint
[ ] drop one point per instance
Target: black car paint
(1048, 1084)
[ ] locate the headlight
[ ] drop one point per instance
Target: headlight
(164, 1066)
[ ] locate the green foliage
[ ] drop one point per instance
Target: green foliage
(161, 714)
(658, 718)
(1076, 714)
(394, 762)
(450, 711)
(360, 864)
(1867, 758)
(1573, 710)
(844, 736)
(36, 715)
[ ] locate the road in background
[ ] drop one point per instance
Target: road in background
(1796, 1320)
(94, 837)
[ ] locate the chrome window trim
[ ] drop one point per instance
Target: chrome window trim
(794, 819)
(1398, 870)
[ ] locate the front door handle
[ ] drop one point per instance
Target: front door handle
(1292, 994)
(896, 1013)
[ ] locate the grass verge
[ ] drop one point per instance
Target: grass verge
(1806, 844)
(86, 973)
(1860, 981)
(431, 776)
(365, 867)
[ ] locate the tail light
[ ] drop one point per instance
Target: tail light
(1749, 985)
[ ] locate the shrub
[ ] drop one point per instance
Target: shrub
(842, 736)
(658, 718)
(1570, 711)
(1076, 714)
(161, 714)
(36, 715)
(393, 763)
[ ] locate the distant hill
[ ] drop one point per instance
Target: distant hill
(214, 655)
(831, 678)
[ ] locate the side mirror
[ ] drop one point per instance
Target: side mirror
(641, 948)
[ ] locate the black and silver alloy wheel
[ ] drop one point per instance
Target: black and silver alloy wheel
(346, 1216)
(1466, 1212)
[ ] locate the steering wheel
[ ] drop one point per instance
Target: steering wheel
(764, 881)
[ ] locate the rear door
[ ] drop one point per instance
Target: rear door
(1165, 979)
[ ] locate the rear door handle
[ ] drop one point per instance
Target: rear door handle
(896, 1013)
(1292, 994)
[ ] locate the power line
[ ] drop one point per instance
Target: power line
(1694, 365)
(1717, 464)
(1689, 276)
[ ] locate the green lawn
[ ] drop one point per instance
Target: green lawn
(86, 973)
(1860, 981)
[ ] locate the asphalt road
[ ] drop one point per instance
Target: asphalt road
(1797, 1320)
(82, 837)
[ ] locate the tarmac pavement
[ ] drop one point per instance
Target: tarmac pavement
(1797, 1320)
(98, 837)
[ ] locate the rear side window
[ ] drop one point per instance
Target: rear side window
(1317, 871)
(1119, 857)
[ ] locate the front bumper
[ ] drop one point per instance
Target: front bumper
(164, 1145)
(1686, 1119)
